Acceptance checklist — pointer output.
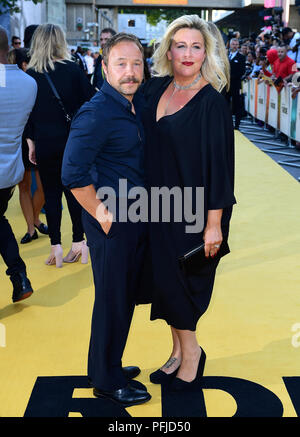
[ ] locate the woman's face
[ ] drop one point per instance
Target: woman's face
(24, 66)
(250, 58)
(187, 52)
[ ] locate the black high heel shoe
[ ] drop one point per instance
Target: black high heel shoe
(179, 384)
(160, 377)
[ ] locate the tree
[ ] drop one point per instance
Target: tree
(154, 15)
(12, 6)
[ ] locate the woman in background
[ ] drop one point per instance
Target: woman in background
(48, 131)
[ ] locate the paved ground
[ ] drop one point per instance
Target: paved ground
(284, 154)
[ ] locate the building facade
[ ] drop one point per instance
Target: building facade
(83, 20)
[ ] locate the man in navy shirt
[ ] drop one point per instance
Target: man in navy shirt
(106, 146)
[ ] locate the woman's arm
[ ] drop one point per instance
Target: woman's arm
(31, 153)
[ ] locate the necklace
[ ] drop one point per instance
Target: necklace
(180, 87)
(186, 87)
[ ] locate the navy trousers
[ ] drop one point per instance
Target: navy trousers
(117, 260)
(9, 248)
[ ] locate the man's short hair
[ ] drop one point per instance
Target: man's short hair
(116, 39)
(109, 30)
(28, 34)
(14, 37)
(286, 31)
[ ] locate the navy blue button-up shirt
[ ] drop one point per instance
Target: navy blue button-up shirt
(106, 143)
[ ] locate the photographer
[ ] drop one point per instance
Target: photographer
(250, 62)
(292, 40)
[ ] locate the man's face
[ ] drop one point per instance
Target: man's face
(125, 68)
(281, 53)
(234, 45)
(244, 49)
(16, 43)
(288, 36)
(104, 37)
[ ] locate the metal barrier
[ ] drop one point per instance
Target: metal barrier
(276, 109)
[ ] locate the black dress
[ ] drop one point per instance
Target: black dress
(192, 148)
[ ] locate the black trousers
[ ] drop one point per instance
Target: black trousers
(116, 259)
(9, 249)
(49, 159)
(234, 98)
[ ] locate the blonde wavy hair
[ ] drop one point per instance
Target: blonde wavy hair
(47, 47)
(221, 51)
(212, 68)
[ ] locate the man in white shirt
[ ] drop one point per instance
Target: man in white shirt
(17, 96)
(293, 40)
(89, 63)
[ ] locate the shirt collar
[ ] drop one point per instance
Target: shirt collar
(108, 89)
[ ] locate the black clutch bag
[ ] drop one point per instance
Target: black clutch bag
(194, 260)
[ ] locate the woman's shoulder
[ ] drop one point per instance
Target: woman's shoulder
(210, 96)
(31, 72)
(67, 64)
(63, 65)
(154, 84)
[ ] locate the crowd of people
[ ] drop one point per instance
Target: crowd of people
(88, 123)
(273, 53)
(273, 57)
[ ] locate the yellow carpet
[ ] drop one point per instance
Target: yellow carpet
(247, 332)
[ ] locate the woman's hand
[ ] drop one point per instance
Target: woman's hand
(212, 233)
(31, 147)
(213, 239)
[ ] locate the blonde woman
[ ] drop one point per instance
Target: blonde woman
(190, 139)
(48, 131)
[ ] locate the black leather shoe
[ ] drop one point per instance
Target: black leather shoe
(131, 371)
(43, 229)
(27, 237)
(22, 287)
(134, 383)
(126, 396)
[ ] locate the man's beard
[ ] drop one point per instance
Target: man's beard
(126, 80)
